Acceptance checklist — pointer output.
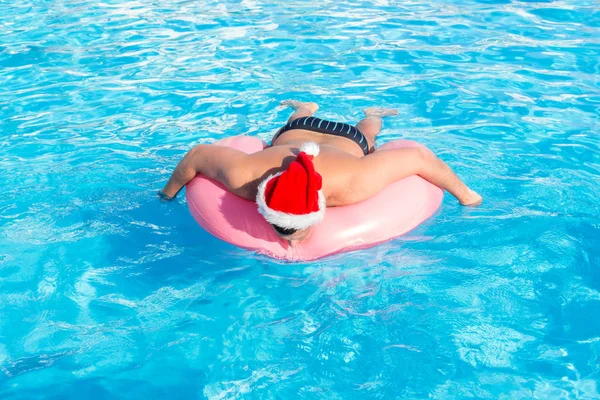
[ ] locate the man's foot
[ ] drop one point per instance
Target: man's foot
(380, 112)
(472, 200)
(296, 105)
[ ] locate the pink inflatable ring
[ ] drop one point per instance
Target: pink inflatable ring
(396, 210)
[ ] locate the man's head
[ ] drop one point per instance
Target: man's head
(292, 201)
(293, 236)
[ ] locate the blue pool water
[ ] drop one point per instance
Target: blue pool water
(105, 292)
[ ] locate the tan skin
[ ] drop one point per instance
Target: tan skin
(348, 175)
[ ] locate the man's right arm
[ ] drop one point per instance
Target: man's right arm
(223, 164)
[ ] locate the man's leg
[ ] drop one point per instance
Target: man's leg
(370, 126)
(301, 109)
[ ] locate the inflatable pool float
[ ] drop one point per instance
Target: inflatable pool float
(394, 211)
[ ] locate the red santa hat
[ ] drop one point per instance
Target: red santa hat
(293, 199)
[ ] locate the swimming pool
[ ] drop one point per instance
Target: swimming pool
(105, 292)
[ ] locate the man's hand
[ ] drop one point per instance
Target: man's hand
(164, 197)
(473, 199)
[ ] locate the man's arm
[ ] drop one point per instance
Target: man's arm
(384, 167)
(223, 164)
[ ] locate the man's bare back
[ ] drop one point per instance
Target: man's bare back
(348, 175)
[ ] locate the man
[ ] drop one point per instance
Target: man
(313, 164)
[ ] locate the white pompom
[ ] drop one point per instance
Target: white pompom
(310, 148)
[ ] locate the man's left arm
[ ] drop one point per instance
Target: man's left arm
(375, 171)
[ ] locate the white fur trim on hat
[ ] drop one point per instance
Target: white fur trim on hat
(310, 148)
(286, 220)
